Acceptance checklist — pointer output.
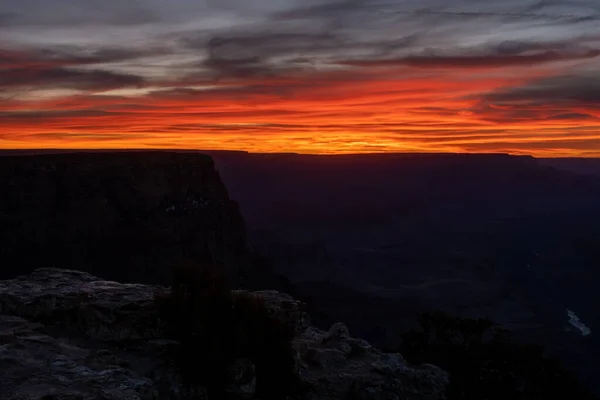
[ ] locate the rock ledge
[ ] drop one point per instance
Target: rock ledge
(68, 334)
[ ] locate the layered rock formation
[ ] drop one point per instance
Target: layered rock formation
(119, 215)
(66, 333)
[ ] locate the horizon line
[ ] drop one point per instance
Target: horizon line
(385, 153)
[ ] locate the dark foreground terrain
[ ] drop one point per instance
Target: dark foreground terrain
(70, 335)
(372, 240)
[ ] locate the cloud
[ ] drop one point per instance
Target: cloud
(263, 53)
(328, 9)
(576, 89)
(557, 98)
(505, 54)
(66, 78)
(5, 18)
(331, 76)
(568, 12)
(267, 43)
(358, 33)
(40, 13)
(78, 68)
(64, 56)
(280, 50)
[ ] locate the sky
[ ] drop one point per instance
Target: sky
(308, 76)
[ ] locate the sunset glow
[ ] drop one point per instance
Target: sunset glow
(339, 77)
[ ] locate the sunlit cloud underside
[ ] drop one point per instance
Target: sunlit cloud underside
(339, 77)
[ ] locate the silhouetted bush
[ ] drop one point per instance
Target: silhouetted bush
(216, 326)
(485, 363)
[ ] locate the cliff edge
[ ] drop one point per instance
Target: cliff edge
(123, 216)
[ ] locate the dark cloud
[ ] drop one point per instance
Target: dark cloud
(266, 43)
(262, 53)
(5, 18)
(71, 56)
(68, 68)
(328, 9)
(40, 13)
(482, 58)
(67, 78)
(569, 7)
(270, 53)
(506, 16)
(277, 53)
(469, 9)
(557, 98)
(336, 33)
(583, 89)
(239, 67)
(351, 36)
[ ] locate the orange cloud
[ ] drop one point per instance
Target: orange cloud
(374, 107)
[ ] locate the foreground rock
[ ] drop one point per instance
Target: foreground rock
(340, 367)
(34, 365)
(69, 334)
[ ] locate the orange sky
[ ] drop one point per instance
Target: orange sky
(540, 98)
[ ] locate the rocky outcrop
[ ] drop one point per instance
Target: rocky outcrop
(34, 365)
(77, 301)
(337, 366)
(120, 215)
(69, 334)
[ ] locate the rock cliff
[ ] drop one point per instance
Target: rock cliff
(68, 334)
(120, 215)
